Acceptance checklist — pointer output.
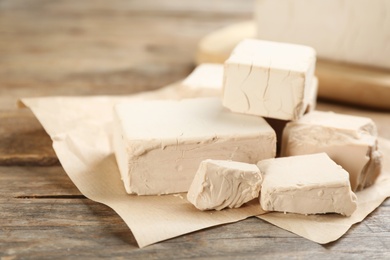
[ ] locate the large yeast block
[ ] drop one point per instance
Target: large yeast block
(220, 184)
(350, 141)
(269, 79)
(160, 144)
(355, 31)
(306, 184)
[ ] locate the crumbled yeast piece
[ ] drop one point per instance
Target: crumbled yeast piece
(269, 79)
(159, 144)
(306, 184)
(220, 184)
(351, 141)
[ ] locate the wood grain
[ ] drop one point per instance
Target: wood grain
(71, 47)
(64, 225)
(23, 140)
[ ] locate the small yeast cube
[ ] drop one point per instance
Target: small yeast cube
(219, 184)
(306, 184)
(159, 144)
(269, 79)
(351, 141)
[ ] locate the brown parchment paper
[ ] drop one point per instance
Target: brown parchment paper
(327, 228)
(81, 129)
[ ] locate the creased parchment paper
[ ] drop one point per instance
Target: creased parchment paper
(81, 129)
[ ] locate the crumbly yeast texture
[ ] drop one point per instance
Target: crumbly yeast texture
(350, 141)
(160, 144)
(306, 184)
(269, 79)
(207, 79)
(220, 184)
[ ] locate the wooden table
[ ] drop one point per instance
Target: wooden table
(73, 47)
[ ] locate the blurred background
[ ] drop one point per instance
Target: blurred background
(72, 47)
(119, 47)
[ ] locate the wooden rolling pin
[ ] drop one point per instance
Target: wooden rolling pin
(342, 82)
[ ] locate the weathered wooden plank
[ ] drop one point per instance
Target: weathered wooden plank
(92, 49)
(23, 140)
(46, 227)
(95, 49)
(118, 47)
(60, 226)
(101, 48)
(64, 228)
(141, 7)
(29, 182)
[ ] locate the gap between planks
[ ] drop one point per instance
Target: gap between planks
(50, 197)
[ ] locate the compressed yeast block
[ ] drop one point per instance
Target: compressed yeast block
(351, 141)
(313, 93)
(278, 124)
(352, 31)
(220, 184)
(269, 79)
(306, 184)
(159, 144)
(204, 80)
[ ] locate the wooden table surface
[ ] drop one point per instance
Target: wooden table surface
(71, 47)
